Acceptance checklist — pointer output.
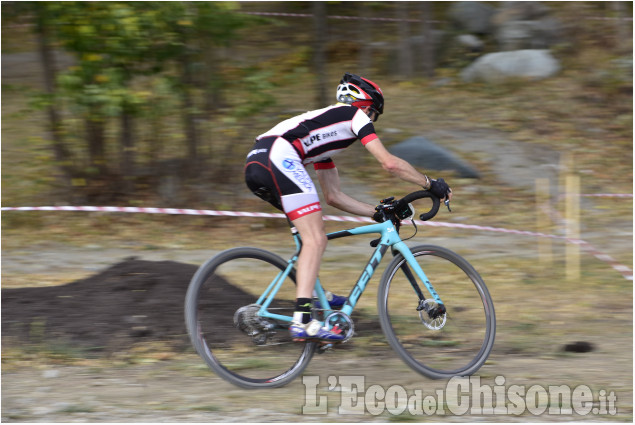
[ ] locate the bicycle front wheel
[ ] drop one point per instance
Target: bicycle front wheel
(437, 345)
(224, 325)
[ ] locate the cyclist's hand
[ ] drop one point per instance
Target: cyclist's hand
(440, 189)
(380, 216)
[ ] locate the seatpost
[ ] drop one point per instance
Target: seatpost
(296, 235)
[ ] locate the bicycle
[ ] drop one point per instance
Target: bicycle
(440, 331)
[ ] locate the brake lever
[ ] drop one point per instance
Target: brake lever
(447, 204)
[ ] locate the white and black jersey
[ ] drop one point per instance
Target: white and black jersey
(320, 134)
(275, 166)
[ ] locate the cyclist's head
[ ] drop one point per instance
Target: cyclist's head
(360, 92)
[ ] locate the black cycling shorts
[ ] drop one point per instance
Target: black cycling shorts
(275, 173)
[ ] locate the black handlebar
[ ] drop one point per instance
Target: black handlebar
(387, 205)
(436, 203)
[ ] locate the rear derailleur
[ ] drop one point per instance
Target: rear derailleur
(248, 321)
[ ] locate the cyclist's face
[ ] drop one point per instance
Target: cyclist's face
(371, 113)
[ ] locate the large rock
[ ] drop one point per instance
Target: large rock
(516, 35)
(472, 16)
(423, 153)
(525, 25)
(514, 25)
(471, 42)
(520, 11)
(496, 67)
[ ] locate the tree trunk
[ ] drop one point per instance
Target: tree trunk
(319, 51)
(427, 53)
(127, 153)
(189, 116)
(405, 51)
(96, 142)
(212, 80)
(621, 29)
(47, 57)
(365, 39)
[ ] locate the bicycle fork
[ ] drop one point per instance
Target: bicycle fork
(433, 310)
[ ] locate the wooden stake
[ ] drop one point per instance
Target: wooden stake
(543, 220)
(565, 168)
(572, 218)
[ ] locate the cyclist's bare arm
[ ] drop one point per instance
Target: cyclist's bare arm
(397, 166)
(330, 182)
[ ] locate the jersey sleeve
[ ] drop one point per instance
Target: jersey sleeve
(363, 127)
(326, 164)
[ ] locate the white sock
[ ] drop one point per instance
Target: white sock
(297, 316)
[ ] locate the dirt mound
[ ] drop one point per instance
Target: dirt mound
(132, 301)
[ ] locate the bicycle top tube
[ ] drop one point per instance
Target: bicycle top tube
(389, 234)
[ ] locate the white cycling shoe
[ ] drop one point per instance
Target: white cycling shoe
(314, 331)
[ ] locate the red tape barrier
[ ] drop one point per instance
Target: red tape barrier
(626, 272)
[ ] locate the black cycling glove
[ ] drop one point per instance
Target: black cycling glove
(380, 216)
(439, 188)
(400, 209)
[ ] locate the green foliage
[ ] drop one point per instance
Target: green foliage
(138, 59)
(255, 88)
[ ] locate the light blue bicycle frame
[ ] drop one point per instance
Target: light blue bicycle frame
(389, 238)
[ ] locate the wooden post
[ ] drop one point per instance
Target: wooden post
(564, 169)
(572, 219)
(543, 220)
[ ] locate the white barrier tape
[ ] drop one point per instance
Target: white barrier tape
(624, 270)
(146, 210)
(600, 195)
(608, 195)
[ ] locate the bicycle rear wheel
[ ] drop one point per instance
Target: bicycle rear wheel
(456, 343)
(225, 328)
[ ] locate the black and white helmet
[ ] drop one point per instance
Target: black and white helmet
(360, 92)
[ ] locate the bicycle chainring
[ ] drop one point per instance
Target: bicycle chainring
(342, 322)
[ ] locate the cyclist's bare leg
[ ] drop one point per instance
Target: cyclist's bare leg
(313, 234)
(314, 240)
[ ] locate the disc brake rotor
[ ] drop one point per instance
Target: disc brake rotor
(431, 314)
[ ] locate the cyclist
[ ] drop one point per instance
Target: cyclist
(275, 171)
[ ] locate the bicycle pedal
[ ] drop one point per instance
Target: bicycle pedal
(324, 347)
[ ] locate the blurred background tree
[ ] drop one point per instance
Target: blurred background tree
(122, 52)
